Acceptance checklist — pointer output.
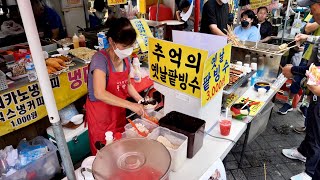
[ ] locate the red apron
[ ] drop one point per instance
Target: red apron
(102, 117)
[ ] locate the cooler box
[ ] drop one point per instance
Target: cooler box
(77, 141)
(177, 101)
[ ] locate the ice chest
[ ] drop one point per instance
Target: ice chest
(191, 127)
(77, 141)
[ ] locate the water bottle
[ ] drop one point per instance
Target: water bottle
(31, 71)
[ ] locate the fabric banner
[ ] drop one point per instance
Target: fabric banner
(23, 106)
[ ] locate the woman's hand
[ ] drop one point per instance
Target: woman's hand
(286, 71)
(137, 108)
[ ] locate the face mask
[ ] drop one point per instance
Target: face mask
(123, 53)
(224, 1)
(244, 23)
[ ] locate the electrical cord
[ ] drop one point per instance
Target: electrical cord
(219, 137)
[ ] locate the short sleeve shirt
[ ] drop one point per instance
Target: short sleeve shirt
(99, 61)
(213, 13)
(252, 34)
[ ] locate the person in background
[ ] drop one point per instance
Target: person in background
(312, 139)
(183, 9)
(310, 28)
(265, 26)
(97, 18)
(248, 30)
(48, 21)
(214, 17)
(109, 84)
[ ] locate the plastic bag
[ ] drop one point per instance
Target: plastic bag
(313, 75)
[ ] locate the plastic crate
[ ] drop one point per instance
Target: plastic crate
(132, 134)
(192, 127)
(179, 155)
(3, 81)
(44, 168)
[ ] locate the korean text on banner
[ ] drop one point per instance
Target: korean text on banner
(115, 2)
(176, 66)
(23, 106)
(143, 33)
(216, 74)
(255, 4)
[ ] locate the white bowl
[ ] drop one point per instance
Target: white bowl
(77, 119)
(63, 51)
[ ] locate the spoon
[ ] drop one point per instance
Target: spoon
(139, 132)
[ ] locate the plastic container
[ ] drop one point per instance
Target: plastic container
(44, 168)
(75, 40)
(155, 114)
(67, 113)
(82, 40)
(31, 71)
(179, 155)
(131, 134)
(3, 81)
(192, 127)
(102, 40)
(109, 137)
(225, 126)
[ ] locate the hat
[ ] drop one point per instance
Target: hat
(305, 3)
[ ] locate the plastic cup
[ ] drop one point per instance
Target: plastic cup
(262, 92)
(225, 126)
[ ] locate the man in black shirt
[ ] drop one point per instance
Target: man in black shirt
(214, 18)
(266, 27)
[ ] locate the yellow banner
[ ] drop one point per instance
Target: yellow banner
(255, 4)
(23, 106)
(143, 33)
(176, 66)
(216, 74)
(115, 2)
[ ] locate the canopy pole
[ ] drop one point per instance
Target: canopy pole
(197, 15)
(44, 82)
(286, 20)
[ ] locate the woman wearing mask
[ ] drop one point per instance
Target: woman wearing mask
(109, 84)
(248, 30)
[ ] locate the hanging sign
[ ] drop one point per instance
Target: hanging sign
(143, 33)
(255, 4)
(116, 2)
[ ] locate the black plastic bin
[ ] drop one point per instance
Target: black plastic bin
(187, 125)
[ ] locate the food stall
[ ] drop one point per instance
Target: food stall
(193, 94)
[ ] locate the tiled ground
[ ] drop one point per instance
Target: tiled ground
(266, 148)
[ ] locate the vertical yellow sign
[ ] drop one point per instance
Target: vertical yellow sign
(216, 74)
(177, 66)
(143, 33)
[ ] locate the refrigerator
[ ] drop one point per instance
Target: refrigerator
(75, 14)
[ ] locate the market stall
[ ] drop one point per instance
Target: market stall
(198, 124)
